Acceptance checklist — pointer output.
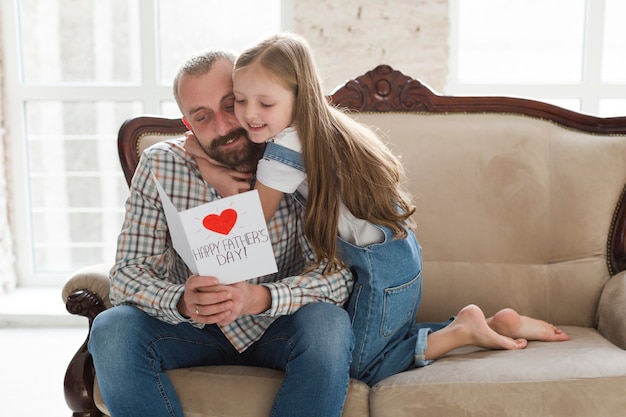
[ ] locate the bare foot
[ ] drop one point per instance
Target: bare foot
(469, 328)
(481, 334)
(509, 322)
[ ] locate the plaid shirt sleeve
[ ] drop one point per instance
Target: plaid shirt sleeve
(148, 273)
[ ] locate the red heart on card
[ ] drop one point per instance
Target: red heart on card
(221, 223)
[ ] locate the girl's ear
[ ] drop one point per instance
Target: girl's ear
(186, 122)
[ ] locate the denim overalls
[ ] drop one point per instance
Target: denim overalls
(385, 299)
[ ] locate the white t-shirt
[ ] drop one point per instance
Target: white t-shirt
(287, 180)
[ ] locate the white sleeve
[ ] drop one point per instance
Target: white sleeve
(279, 176)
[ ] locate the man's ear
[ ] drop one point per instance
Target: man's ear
(186, 122)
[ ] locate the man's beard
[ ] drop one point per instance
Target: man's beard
(244, 159)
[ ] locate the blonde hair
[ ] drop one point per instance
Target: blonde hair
(345, 161)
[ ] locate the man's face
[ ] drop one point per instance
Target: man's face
(207, 102)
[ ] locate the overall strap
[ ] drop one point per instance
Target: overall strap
(279, 153)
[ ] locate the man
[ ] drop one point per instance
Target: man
(164, 318)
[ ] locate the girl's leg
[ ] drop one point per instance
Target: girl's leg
(430, 341)
(405, 354)
(383, 304)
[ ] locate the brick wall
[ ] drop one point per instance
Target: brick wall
(351, 37)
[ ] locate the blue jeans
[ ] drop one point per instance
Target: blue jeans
(383, 305)
(132, 352)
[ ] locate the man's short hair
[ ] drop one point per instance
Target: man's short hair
(199, 64)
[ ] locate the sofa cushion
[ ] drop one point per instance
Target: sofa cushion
(581, 377)
(240, 391)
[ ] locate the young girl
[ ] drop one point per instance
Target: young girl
(357, 214)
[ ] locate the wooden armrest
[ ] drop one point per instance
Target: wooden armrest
(86, 293)
(612, 310)
(93, 279)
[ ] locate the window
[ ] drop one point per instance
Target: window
(76, 71)
(571, 53)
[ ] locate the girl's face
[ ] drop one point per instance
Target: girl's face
(263, 106)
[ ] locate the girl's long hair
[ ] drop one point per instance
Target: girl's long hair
(345, 161)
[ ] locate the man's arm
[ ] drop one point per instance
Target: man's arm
(148, 273)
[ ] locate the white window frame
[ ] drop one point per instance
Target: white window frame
(150, 92)
(589, 91)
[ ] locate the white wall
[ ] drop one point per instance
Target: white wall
(7, 257)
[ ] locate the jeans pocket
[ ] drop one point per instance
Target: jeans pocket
(400, 305)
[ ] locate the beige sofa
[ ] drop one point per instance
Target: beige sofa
(519, 204)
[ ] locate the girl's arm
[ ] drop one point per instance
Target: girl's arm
(270, 199)
(278, 171)
(226, 181)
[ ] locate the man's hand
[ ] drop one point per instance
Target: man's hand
(202, 302)
(226, 181)
(206, 301)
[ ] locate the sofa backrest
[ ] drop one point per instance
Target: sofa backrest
(138, 133)
(513, 208)
(519, 203)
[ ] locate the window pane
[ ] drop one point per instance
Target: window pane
(524, 41)
(614, 52)
(80, 41)
(188, 26)
(170, 109)
(612, 107)
(77, 190)
(55, 261)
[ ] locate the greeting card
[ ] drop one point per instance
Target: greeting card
(225, 238)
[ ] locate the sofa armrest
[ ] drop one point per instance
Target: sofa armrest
(93, 279)
(86, 293)
(612, 310)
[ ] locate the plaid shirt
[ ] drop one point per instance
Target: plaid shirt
(150, 275)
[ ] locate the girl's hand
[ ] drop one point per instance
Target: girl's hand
(226, 181)
(192, 147)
